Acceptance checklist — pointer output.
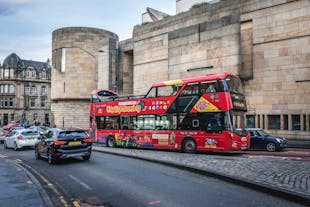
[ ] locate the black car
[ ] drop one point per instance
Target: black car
(262, 140)
(57, 144)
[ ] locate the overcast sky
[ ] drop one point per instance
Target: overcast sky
(27, 25)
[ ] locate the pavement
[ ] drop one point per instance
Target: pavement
(19, 188)
(289, 179)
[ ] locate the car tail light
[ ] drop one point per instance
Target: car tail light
(20, 137)
(88, 140)
(59, 142)
(232, 136)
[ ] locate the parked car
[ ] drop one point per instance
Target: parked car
(57, 144)
(262, 140)
(39, 128)
(16, 128)
(20, 138)
(2, 135)
(9, 126)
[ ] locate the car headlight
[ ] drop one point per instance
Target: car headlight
(278, 140)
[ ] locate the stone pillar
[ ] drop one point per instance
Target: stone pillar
(281, 122)
(290, 122)
(257, 121)
(302, 127)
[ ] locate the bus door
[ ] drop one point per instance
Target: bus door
(214, 127)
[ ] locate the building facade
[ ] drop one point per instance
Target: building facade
(24, 91)
(266, 43)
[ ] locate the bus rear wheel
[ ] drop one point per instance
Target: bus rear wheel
(189, 146)
(111, 141)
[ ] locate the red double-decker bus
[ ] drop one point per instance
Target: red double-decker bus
(194, 114)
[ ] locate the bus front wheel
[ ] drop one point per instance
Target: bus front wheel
(189, 146)
(111, 141)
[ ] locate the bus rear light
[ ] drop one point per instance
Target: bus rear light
(20, 137)
(89, 140)
(59, 142)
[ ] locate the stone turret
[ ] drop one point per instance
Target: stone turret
(83, 59)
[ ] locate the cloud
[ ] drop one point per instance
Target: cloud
(11, 7)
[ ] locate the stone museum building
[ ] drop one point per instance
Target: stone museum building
(266, 43)
(24, 91)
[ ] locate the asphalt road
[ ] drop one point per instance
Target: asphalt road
(112, 181)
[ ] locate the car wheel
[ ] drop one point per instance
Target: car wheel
(50, 158)
(111, 141)
(87, 157)
(189, 146)
(15, 147)
(36, 153)
(271, 147)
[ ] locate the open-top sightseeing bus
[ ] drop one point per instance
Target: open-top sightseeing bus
(194, 114)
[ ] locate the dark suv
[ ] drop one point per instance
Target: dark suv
(57, 144)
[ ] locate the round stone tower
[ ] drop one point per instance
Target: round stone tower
(84, 59)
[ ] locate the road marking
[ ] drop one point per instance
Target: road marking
(50, 185)
(76, 204)
(18, 161)
(80, 182)
(63, 201)
(3, 156)
(29, 182)
(151, 203)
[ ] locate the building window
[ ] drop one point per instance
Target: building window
(12, 117)
(11, 102)
(263, 121)
(11, 89)
(6, 73)
(295, 122)
(32, 102)
(33, 74)
(273, 121)
(47, 119)
(43, 90)
(27, 90)
(33, 90)
(250, 121)
(305, 122)
(63, 60)
(1, 73)
(11, 73)
(43, 74)
(6, 88)
(43, 101)
(285, 122)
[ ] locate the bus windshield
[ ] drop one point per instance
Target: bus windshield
(234, 84)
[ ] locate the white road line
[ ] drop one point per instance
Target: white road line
(80, 182)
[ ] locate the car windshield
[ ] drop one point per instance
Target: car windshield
(30, 133)
(72, 134)
(262, 133)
